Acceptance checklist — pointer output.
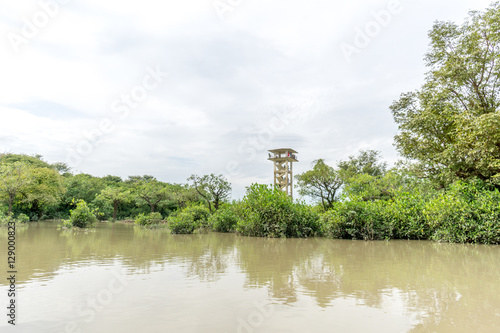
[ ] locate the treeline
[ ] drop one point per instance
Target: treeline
(448, 186)
(361, 199)
(39, 190)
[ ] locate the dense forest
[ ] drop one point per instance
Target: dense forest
(446, 187)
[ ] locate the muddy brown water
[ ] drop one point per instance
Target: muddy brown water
(121, 278)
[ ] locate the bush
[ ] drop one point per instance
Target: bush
(189, 219)
(225, 218)
(405, 216)
(82, 216)
(22, 218)
(148, 220)
(269, 212)
(467, 213)
(4, 219)
(357, 220)
(464, 213)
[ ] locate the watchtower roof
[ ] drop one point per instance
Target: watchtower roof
(282, 150)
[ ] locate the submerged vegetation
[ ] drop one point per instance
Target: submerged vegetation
(446, 188)
(81, 217)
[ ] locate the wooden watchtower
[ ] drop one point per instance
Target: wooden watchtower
(283, 172)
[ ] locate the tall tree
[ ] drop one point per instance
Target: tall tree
(367, 162)
(44, 189)
(322, 182)
(213, 189)
(181, 194)
(151, 192)
(114, 196)
(14, 178)
(451, 126)
(81, 187)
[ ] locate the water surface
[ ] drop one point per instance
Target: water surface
(121, 278)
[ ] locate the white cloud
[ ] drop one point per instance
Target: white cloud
(226, 81)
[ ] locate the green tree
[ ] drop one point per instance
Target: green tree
(114, 196)
(82, 216)
(266, 211)
(151, 192)
(451, 126)
(29, 160)
(213, 189)
(14, 178)
(61, 167)
(365, 176)
(368, 188)
(83, 186)
(367, 162)
(44, 189)
(182, 194)
(322, 182)
(112, 180)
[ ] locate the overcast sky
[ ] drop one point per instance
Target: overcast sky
(172, 88)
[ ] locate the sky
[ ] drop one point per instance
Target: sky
(174, 88)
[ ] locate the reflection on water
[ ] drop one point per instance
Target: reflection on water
(121, 278)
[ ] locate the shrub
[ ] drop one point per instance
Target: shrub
(4, 219)
(269, 212)
(225, 218)
(189, 219)
(22, 218)
(148, 220)
(464, 213)
(467, 213)
(406, 218)
(82, 216)
(357, 220)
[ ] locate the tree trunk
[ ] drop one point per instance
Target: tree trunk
(152, 208)
(115, 208)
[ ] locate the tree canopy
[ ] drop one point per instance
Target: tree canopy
(322, 182)
(451, 126)
(215, 189)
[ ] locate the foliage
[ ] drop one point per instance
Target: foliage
(451, 125)
(467, 213)
(356, 220)
(148, 220)
(367, 187)
(322, 182)
(44, 190)
(82, 216)
(114, 196)
(183, 194)
(32, 161)
(5, 219)
(189, 219)
(367, 162)
(80, 187)
(213, 189)
(151, 192)
(225, 219)
(269, 212)
(14, 178)
(22, 218)
(404, 214)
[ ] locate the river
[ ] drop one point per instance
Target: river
(121, 278)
